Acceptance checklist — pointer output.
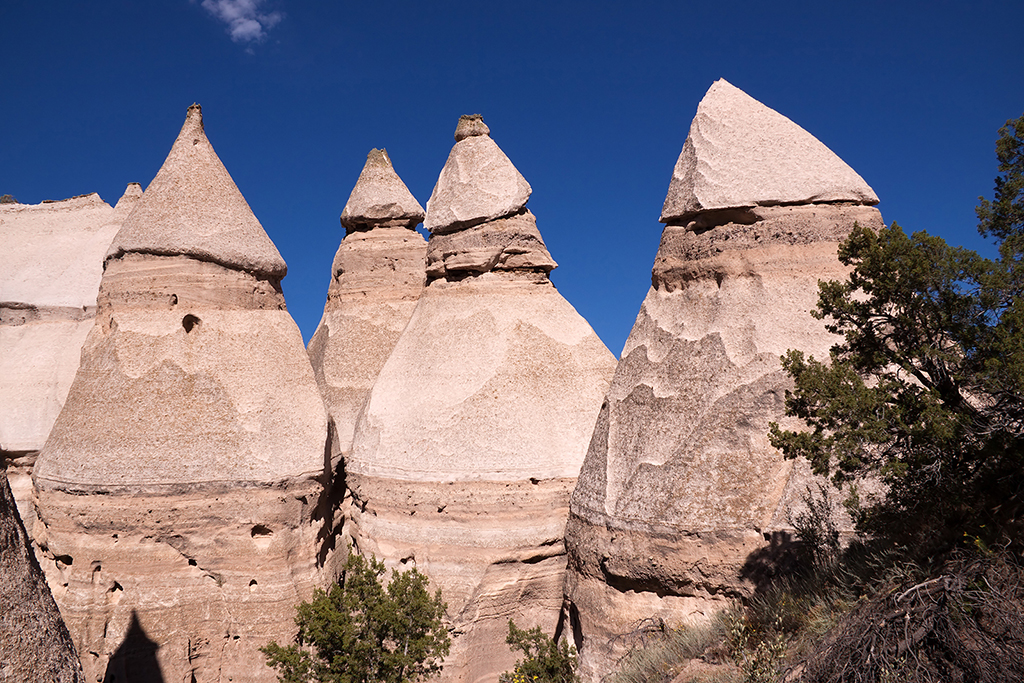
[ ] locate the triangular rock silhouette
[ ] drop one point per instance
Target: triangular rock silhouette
(380, 198)
(35, 646)
(478, 182)
(180, 482)
(740, 153)
(193, 208)
(681, 491)
(376, 278)
(474, 432)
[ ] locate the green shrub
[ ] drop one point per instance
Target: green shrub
(362, 632)
(545, 660)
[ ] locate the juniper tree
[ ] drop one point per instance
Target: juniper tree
(361, 632)
(926, 388)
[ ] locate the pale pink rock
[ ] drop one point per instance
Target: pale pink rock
(682, 500)
(180, 491)
(50, 269)
(380, 197)
(193, 208)
(473, 434)
(376, 278)
(478, 182)
(741, 153)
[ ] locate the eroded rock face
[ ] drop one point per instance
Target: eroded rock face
(741, 153)
(478, 182)
(50, 269)
(474, 432)
(179, 492)
(35, 646)
(376, 279)
(682, 504)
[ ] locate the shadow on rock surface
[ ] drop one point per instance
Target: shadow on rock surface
(135, 660)
(781, 557)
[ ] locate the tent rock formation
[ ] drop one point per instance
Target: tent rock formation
(35, 646)
(680, 489)
(377, 277)
(473, 435)
(178, 491)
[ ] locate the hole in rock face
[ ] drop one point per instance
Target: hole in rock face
(189, 322)
(116, 587)
(65, 559)
(174, 299)
(260, 530)
(252, 584)
(191, 563)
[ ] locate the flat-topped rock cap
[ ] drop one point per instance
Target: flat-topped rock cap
(380, 197)
(193, 208)
(478, 182)
(741, 153)
(469, 126)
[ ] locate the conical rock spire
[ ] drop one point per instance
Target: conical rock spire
(477, 184)
(472, 436)
(196, 413)
(681, 488)
(477, 214)
(193, 208)
(376, 278)
(740, 153)
(380, 197)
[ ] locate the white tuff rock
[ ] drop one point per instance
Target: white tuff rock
(474, 432)
(179, 491)
(741, 153)
(682, 500)
(50, 269)
(478, 182)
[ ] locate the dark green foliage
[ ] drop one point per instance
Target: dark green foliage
(8, 199)
(1004, 216)
(546, 661)
(362, 632)
(926, 390)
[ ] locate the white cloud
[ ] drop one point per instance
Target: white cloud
(246, 23)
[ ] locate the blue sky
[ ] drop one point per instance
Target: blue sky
(590, 100)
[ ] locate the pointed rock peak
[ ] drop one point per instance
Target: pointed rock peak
(132, 194)
(193, 208)
(193, 119)
(741, 153)
(478, 182)
(471, 125)
(380, 198)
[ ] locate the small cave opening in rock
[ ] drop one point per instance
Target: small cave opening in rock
(261, 530)
(189, 322)
(192, 562)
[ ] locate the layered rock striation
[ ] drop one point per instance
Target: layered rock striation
(682, 503)
(50, 269)
(473, 435)
(179, 491)
(35, 646)
(376, 278)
